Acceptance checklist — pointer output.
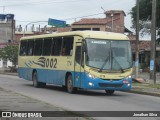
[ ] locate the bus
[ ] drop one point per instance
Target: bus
(93, 60)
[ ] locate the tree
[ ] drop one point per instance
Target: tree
(10, 53)
(145, 16)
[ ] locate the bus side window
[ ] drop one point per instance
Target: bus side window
(56, 46)
(47, 44)
(38, 47)
(23, 48)
(67, 46)
(30, 47)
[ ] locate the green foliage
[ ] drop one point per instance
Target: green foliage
(10, 53)
(145, 14)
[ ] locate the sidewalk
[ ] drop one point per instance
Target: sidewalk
(148, 87)
(11, 101)
(2, 71)
(146, 77)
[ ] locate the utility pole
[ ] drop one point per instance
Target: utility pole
(153, 43)
(137, 41)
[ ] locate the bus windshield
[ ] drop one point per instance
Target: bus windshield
(108, 54)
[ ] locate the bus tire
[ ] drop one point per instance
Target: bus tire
(42, 84)
(70, 87)
(109, 92)
(36, 84)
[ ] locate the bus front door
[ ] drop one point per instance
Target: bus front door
(78, 66)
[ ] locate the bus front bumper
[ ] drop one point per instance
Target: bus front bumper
(106, 84)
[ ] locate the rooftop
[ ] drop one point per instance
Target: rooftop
(94, 21)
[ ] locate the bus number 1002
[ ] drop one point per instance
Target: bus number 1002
(52, 63)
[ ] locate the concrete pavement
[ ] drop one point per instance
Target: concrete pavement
(19, 101)
(12, 101)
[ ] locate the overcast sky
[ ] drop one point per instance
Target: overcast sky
(40, 10)
(27, 11)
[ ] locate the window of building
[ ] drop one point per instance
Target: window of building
(67, 46)
(23, 48)
(77, 29)
(47, 44)
(96, 29)
(56, 46)
(30, 48)
(38, 47)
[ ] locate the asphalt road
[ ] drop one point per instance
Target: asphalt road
(84, 100)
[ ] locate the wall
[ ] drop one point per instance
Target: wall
(101, 27)
(6, 31)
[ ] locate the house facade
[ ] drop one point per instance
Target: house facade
(144, 54)
(114, 22)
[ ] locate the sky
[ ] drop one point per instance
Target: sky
(69, 10)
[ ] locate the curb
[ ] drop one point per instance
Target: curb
(4, 73)
(144, 93)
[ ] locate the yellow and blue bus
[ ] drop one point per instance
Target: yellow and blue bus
(93, 60)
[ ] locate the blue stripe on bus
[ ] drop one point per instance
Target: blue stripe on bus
(58, 77)
(44, 75)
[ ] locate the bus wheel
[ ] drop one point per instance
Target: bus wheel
(35, 80)
(42, 84)
(70, 87)
(109, 92)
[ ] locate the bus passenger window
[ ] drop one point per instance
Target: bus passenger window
(23, 48)
(56, 46)
(47, 44)
(67, 48)
(30, 47)
(38, 47)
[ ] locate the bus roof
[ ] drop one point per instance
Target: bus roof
(84, 34)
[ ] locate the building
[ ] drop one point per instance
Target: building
(7, 27)
(114, 22)
(18, 35)
(144, 54)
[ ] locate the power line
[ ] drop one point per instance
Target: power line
(41, 2)
(63, 19)
(83, 16)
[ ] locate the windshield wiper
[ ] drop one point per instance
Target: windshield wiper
(106, 60)
(116, 61)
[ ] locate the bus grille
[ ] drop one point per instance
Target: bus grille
(110, 85)
(111, 79)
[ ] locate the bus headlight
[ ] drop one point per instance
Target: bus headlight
(127, 78)
(130, 76)
(90, 75)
